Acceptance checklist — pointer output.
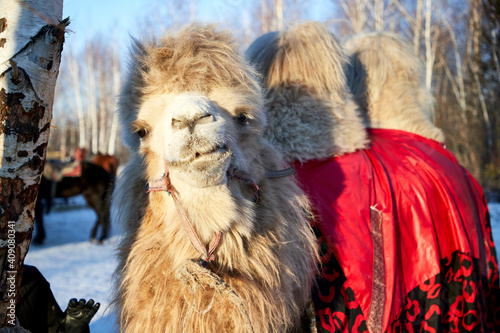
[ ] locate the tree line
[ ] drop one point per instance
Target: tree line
(457, 40)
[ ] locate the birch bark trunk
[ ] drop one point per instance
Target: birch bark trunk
(429, 57)
(92, 101)
(102, 114)
(31, 36)
(116, 74)
(74, 72)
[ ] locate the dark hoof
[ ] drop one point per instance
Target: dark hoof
(96, 241)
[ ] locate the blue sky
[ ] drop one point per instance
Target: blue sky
(120, 18)
(116, 19)
(107, 18)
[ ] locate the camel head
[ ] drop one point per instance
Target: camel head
(192, 107)
(387, 80)
(310, 112)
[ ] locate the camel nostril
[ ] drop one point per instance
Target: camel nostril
(206, 118)
(191, 122)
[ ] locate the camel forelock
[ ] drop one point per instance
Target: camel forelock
(197, 58)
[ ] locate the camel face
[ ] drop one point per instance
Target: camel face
(196, 135)
(189, 132)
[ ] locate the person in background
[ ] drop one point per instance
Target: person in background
(74, 168)
(38, 311)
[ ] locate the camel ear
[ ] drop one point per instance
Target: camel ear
(165, 53)
(137, 48)
(129, 100)
(373, 64)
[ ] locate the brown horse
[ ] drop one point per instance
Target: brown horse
(107, 162)
(95, 183)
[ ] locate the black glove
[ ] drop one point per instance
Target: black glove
(78, 316)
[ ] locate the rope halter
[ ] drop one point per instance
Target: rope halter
(207, 253)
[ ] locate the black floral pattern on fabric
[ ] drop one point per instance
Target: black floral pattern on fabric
(456, 300)
(331, 292)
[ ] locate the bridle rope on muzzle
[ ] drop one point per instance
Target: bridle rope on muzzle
(207, 253)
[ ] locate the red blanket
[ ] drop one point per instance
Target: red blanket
(406, 240)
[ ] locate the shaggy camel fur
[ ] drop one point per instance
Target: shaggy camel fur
(191, 108)
(307, 97)
(387, 80)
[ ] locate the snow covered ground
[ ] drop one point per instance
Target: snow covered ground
(74, 267)
(77, 268)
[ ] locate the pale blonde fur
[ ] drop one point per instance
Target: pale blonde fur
(310, 111)
(387, 80)
(267, 253)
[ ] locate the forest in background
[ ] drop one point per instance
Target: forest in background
(458, 40)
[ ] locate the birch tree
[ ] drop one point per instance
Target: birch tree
(429, 55)
(31, 35)
(417, 26)
(278, 7)
(457, 79)
(116, 74)
(90, 89)
(355, 11)
(103, 102)
(473, 59)
(74, 73)
(378, 10)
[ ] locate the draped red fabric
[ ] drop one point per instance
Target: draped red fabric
(396, 218)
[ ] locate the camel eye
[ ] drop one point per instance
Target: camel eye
(242, 119)
(142, 132)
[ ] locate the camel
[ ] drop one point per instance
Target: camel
(404, 230)
(220, 241)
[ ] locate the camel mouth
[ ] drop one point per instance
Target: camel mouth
(219, 149)
(205, 168)
(204, 158)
